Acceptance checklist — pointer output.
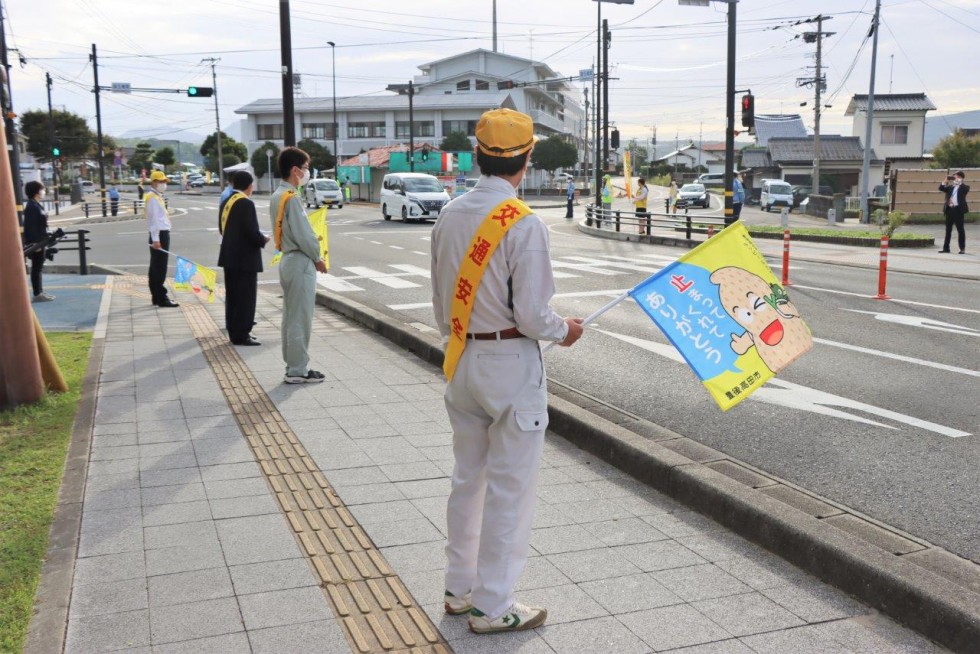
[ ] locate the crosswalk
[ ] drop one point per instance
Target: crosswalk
(402, 276)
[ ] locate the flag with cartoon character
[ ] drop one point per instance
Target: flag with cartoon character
(723, 309)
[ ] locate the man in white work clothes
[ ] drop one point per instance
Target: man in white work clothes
(158, 224)
(491, 285)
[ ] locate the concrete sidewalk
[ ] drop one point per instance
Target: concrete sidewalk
(223, 511)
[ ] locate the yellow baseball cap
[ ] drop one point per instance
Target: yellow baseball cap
(158, 176)
(505, 133)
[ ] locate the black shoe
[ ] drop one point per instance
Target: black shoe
(166, 303)
(944, 252)
(311, 377)
(247, 341)
(962, 252)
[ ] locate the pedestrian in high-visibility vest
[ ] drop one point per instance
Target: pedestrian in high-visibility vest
(607, 198)
(640, 200)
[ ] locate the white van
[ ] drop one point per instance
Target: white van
(413, 196)
(776, 193)
(712, 179)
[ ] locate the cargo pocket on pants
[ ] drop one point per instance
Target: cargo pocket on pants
(532, 420)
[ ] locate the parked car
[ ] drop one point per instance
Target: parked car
(196, 182)
(413, 196)
(776, 193)
(712, 179)
(321, 192)
(802, 191)
(693, 195)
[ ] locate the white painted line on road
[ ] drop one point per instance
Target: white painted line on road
(386, 279)
(411, 269)
(424, 254)
(584, 268)
(197, 208)
(426, 238)
(332, 283)
(804, 398)
(376, 243)
(615, 264)
(898, 357)
(868, 295)
(409, 307)
(557, 274)
(615, 293)
(396, 247)
(917, 321)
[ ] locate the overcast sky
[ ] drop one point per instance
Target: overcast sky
(669, 60)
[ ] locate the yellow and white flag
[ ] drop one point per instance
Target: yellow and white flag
(318, 221)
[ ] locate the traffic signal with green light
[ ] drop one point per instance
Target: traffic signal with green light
(200, 91)
(55, 152)
(425, 152)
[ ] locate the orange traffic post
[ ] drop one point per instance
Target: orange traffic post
(883, 270)
(786, 281)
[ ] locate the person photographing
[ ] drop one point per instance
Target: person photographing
(955, 209)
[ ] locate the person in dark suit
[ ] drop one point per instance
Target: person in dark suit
(35, 231)
(241, 258)
(955, 209)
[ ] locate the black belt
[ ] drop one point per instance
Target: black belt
(502, 335)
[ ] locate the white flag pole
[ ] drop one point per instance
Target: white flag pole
(593, 316)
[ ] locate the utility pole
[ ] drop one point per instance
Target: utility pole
(51, 144)
(866, 164)
(587, 118)
(411, 126)
(8, 122)
(217, 120)
(286, 56)
(94, 58)
(333, 127)
(494, 25)
(606, 37)
(819, 81)
(730, 116)
(597, 101)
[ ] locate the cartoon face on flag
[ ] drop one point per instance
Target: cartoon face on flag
(723, 309)
(194, 277)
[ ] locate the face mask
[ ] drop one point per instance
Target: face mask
(957, 181)
(40, 196)
(162, 188)
(305, 179)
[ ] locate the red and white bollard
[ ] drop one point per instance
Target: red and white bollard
(786, 281)
(883, 270)
(711, 231)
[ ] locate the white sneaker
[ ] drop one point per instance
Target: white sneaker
(311, 377)
(458, 605)
(43, 297)
(517, 618)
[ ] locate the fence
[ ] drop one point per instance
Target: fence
(644, 222)
(917, 191)
(96, 207)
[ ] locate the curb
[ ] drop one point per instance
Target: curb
(926, 588)
(689, 244)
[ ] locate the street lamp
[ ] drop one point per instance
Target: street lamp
(269, 152)
(333, 58)
(729, 102)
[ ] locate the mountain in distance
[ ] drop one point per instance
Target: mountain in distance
(153, 134)
(939, 127)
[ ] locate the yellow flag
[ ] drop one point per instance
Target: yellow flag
(318, 221)
(194, 277)
(627, 173)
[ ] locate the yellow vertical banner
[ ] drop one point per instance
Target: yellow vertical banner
(318, 221)
(628, 173)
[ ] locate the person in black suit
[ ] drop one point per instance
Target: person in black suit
(955, 209)
(241, 258)
(36, 230)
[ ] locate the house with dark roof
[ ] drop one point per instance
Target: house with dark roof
(769, 126)
(897, 126)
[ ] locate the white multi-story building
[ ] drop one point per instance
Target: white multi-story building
(449, 96)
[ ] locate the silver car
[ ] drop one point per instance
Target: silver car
(321, 192)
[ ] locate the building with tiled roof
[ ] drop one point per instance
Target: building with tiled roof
(898, 124)
(769, 126)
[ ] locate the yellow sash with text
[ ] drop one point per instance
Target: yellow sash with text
(488, 236)
(226, 211)
(277, 230)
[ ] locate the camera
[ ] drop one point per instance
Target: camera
(49, 253)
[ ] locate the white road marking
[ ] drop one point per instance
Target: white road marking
(917, 321)
(898, 357)
(332, 283)
(376, 243)
(424, 254)
(386, 279)
(426, 238)
(197, 208)
(614, 264)
(804, 398)
(411, 269)
(396, 247)
(584, 268)
(557, 274)
(868, 295)
(592, 293)
(409, 307)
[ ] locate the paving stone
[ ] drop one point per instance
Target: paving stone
(370, 494)
(427, 488)
(682, 523)
(165, 448)
(412, 471)
(751, 613)
(217, 451)
(116, 429)
(235, 643)
(217, 490)
(183, 558)
(114, 540)
(256, 538)
(104, 633)
(627, 531)
(403, 532)
(659, 555)
(356, 477)
(718, 546)
(385, 512)
(108, 597)
(568, 538)
(419, 557)
(224, 472)
(126, 437)
(237, 507)
(271, 575)
(540, 573)
(730, 646)
(565, 493)
(589, 565)
(112, 499)
(597, 636)
(203, 407)
(187, 534)
(340, 461)
(169, 514)
(193, 492)
(323, 636)
(875, 634)
(171, 431)
(550, 515)
(284, 607)
(671, 627)
(815, 602)
(109, 568)
(564, 603)
(699, 582)
(597, 510)
(631, 593)
(524, 642)
(195, 620)
(166, 410)
(173, 477)
(168, 462)
(114, 467)
(762, 573)
(185, 587)
(113, 453)
(802, 640)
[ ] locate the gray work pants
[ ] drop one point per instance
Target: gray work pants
(297, 275)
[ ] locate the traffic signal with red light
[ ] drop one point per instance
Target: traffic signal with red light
(506, 84)
(748, 110)
(614, 139)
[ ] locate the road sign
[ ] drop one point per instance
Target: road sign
(121, 87)
(585, 75)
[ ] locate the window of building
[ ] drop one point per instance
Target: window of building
(270, 132)
(482, 85)
(366, 130)
(894, 134)
(463, 86)
(422, 128)
(467, 127)
(317, 131)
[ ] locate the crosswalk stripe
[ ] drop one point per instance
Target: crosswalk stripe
(382, 278)
(331, 283)
(616, 264)
(557, 274)
(409, 307)
(581, 267)
(424, 254)
(409, 268)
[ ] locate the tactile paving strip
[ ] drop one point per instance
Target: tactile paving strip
(376, 610)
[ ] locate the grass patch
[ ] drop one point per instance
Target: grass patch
(33, 444)
(816, 231)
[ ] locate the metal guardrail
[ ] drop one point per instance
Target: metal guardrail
(96, 207)
(644, 221)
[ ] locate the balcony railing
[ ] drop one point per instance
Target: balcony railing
(545, 119)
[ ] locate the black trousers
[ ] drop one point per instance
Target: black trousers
(241, 287)
(158, 268)
(569, 213)
(954, 216)
(37, 263)
(114, 207)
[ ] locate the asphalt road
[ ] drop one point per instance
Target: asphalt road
(881, 416)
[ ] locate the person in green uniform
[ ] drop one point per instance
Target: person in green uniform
(300, 262)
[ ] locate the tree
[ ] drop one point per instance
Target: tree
(72, 135)
(456, 142)
(260, 158)
(320, 156)
(209, 149)
(639, 154)
(165, 157)
(141, 157)
(554, 153)
(957, 151)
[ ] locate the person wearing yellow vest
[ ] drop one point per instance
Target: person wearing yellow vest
(607, 199)
(299, 265)
(640, 200)
(241, 258)
(491, 287)
(158, 224)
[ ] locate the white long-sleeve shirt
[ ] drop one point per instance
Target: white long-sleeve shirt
(519, 270)
(157, 219)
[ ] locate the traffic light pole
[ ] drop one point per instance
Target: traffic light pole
(605, 94)
(10, 128)
(286, 47)
(597, 101)
(730, 115)
(51, 147)
(94, 58)
(217, 120)
(411, 126)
